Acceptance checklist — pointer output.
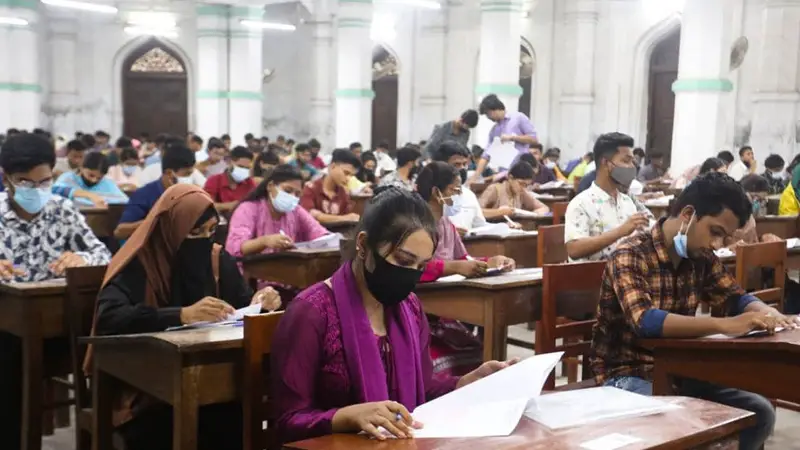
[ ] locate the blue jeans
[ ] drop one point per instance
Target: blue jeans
(751, 438)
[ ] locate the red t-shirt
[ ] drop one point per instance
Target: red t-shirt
(317, 162)
(314, 198)
(223, 190)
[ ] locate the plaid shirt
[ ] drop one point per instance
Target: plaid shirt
(640, 276)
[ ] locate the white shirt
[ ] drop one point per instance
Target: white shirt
(471, 215)
(385, 163)
(153, 172)
(594, 212)
(737, 170)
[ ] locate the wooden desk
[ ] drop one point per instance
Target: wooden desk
(699, 424)
(550, 199)
(33, 312)
(492, 302)
(360, 202)
(792, 259)
(103, 221)
(736, 363)
(528, 222)
(298, 268)
(186, 369)
(658, 210)
(344, 227)
(563, 191)
(781, 226)
(657, 187)
(520, 247)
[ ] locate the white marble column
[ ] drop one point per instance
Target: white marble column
(700, 126)
(428, 78)
(212, 70)
(63, 97)
(498, 61)
(577, 95)
(321, 120)
(20, 88)
(245, 75)
(776, 100)
(354, 92)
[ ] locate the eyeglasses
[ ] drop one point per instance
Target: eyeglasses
(28, 184)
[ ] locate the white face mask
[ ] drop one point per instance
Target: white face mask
(240, 174)
(185, 180)
(550, 164)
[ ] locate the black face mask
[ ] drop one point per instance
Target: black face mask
(89, 184)
(463, 174)
(413, 172)
(390, 284)
(193, 250)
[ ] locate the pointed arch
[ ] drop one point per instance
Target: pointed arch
(527, 69)
(385, 85)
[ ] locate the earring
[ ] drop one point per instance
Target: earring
(360, 252)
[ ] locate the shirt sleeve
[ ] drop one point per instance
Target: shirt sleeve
(489, 197)
(307, 227)
(307, 200)
(62, 191)
(198, 179)
(298, 347)
(136, 209)
(719, 286)
(632, 289)
(232, 286)
(242, 228)
(212, 187)
(526, 126)
(576, 222)
(82, 240)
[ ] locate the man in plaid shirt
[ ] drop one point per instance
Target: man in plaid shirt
(653, 284)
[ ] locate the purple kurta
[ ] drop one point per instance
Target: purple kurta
(314, 376)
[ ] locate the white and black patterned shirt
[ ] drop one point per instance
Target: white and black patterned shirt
(58, 228)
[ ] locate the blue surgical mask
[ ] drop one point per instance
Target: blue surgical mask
(129, 170)
(240, 174)
(32, 200)
(455, 208)
(284, 202)
(680, 240)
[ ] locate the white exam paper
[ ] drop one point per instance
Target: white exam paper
(327, 241)
(501, 155)
(251, 310)
(792, 243)
(491, 406)
(611, 441)
(495, 229)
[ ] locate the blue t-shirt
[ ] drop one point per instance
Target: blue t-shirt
(142, 201)
(586, 181)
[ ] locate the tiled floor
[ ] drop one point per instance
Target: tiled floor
(786, 436)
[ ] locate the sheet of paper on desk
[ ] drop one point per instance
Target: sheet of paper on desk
(495, 229)
(584, 406)
(501, 155)
(661, 201)
(327, 241)
(251, 310)
(724, 252)
(553, 185)
(33, 284)
(544, 196)
(523, 213)
(792, 242)
(531, 272)
(491, 406)
(611, 441)
(749, 333)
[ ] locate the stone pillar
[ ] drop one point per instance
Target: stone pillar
(775, 100)
(20, 88)
(498, 62)
(428, 78)
(212, 70)
(354, 92)
(701, 121)
(577, 95)
(321, 123)
(245, 75)
(63, 98)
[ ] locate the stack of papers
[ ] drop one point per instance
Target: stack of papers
(552, 185)
(496, 229)
(532, 273)
(661, 201)
(237, 316)
(491, 406)
(792, 243)
(523, 213)
(580, 407)
(327, 241)
(501, 155)
(545, 196)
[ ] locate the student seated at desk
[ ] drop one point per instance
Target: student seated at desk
(76, 150)
(265, 161)
(302, 161)
(789, 204)
(352, 352)
(91, 177)
(126, 173)
(407, 168)
(326, 198)
(652, 287)
(177, 166)
(170, 273)
(227, 189)
(501, 199)
(153, 172)
(41, 235)
(454, 349)
(366, 173)
(470, 214)
(603, 214)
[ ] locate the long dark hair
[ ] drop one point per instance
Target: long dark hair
(278, 174)
(435, 175)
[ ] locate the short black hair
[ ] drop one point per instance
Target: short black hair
(711, 165)
(12, 132)
(448, 149)
(537, 145)
(477, 151)
(23, 152)
(102, 134)
(470, 118)
(552, 152)
(726, 156)
(528, 158)
(745, 149)
(302, 148)
(88, 140)
(314, 144)
(281, 137)
(521, 171)
(368, 156)
(408, 154)
(774, 162)
(178, 157)
(197, 139)
(607, 145)
(491, 103)
(123, 142)
(383, 144)
(240, 152)
(343, 156)
(225, 137)
(248, 137)
(128, 153)
(75, 146)
(355, 145)
(268, 157)
(215, 143)
(638, 151)
(754, 183)
(161, 138)
(711, 194)
(278, 174)
(438, 175)
(95, 161)
(173, 141)
(290, 141)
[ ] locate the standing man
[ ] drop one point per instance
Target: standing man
(455, 130)
(509, 126)
(746, 164)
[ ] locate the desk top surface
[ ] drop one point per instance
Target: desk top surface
(183, 341)
(784, 341)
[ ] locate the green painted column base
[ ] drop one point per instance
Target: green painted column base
(231, 95)
(702, 85)
(355, 93)
(20, 87)
(498, 89)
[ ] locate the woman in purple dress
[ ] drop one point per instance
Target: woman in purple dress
(351, 353)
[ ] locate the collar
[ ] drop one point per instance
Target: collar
(658, 242)
(598, 191)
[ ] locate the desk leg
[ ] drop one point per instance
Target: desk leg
(662, 380)
(185, 411)
(494, 334)
(102, 409)
(32, 384)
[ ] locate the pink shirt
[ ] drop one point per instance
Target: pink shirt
(449, 248)
(254, 219)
